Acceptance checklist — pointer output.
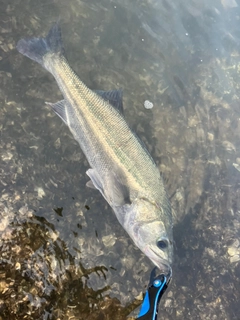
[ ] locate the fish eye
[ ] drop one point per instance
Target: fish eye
(162, 244)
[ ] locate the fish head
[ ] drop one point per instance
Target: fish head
(152, 233)
(157, 245)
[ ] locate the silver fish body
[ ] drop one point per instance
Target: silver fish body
(121, 168)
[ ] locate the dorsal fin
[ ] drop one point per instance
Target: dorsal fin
(114, 97)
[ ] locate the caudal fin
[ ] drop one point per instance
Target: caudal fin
(37, 48)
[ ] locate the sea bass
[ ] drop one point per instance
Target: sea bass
(120, 166)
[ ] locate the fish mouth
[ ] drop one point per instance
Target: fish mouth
(162, 264)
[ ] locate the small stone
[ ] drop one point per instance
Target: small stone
(17, 266)
(148, 104)
(140, 296)
(41, 192)
(235, 258)
(232, 251)
(229, 146)
(210, 136)
(23, 210)
(108, 241)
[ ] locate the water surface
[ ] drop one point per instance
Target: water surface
(63, 253)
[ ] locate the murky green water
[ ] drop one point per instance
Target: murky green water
(63, 253)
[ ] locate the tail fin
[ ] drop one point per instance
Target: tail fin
(37, 48)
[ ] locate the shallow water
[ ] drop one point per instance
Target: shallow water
(63, 253)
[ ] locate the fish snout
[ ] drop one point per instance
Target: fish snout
(161, 263)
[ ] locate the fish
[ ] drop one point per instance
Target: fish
(121, 168)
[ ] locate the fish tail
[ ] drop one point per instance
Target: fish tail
(37, 48)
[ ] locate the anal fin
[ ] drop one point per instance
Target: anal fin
(95, 182)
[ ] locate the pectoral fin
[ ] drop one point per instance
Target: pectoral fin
(112, 188)
(60, 109)
(117, 190)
